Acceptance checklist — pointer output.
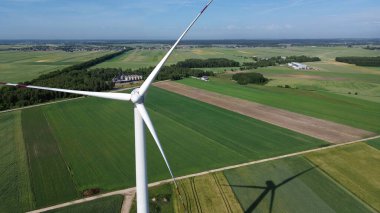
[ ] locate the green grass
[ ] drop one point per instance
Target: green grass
(110, 204)
(375, 143)
(355, 167)
(15, 190)
(17, 66)
(97, 143)
(300, 187)
(341, 109)
(50, 176)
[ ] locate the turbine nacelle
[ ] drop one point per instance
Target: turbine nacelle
(136, 98)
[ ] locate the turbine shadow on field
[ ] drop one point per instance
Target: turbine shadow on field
(269, 188)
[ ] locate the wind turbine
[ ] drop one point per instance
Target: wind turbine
(140, 116)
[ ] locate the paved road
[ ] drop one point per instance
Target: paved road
(130, 191)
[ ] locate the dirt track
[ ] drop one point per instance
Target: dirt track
(317, 128)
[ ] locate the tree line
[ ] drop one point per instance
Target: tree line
(360, 61)
(249, 78)
(371, 47)
(78, 77)
(208, 63)
(273, 61)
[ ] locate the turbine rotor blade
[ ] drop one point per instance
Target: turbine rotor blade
(144, 87)
(106, 95)
(144, 114)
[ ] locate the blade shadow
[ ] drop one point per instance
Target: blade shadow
(269, 188)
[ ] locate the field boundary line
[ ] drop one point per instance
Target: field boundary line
(133, 189)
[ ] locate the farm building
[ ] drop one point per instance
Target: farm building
(204, 78)
(127, 78)
(298, 66)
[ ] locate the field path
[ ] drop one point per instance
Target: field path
(314, 127)
(133, 189)
(127, 203)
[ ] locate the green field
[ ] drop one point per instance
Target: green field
(375, 143)
(339, 78)
(356, 167)
(350, 111)
(71, 149)
(330, 76)
(15, 190)
(17, 66)
(298, 185)
(105, 131)
(50, 176)
(110, 204)
(144, 58)
(51, 154)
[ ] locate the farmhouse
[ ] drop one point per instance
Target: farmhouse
(298, 66)
(127, 78)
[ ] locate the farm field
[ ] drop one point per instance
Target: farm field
(207, 193)
(71, 149)
(355, 167)
(335, 77)
(16, 193)
(73, 127)
(143, 58)
(330, 76)
(50, 175)
(51, 154)
(375, 143)
(110, 204)
(297, 186)
(341, 109)
(18, 66)
(324, 130)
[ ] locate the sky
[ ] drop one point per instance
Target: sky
(166, 19)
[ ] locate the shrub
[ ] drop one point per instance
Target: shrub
(249, 78)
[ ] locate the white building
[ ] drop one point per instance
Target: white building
(298, 66)
(127, 78)
(204, 78)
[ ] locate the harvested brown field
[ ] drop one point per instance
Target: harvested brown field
(317, 128)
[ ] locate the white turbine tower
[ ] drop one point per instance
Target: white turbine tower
(141, 117)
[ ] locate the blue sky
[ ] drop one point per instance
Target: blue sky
(165, 19)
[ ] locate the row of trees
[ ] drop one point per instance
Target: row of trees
(371, 47)
(249, 78)
(361, 61)
(266, 62)
(89, 80)
(208, 63)
(72, 77)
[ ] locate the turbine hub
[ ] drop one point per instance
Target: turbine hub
(136, 97)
